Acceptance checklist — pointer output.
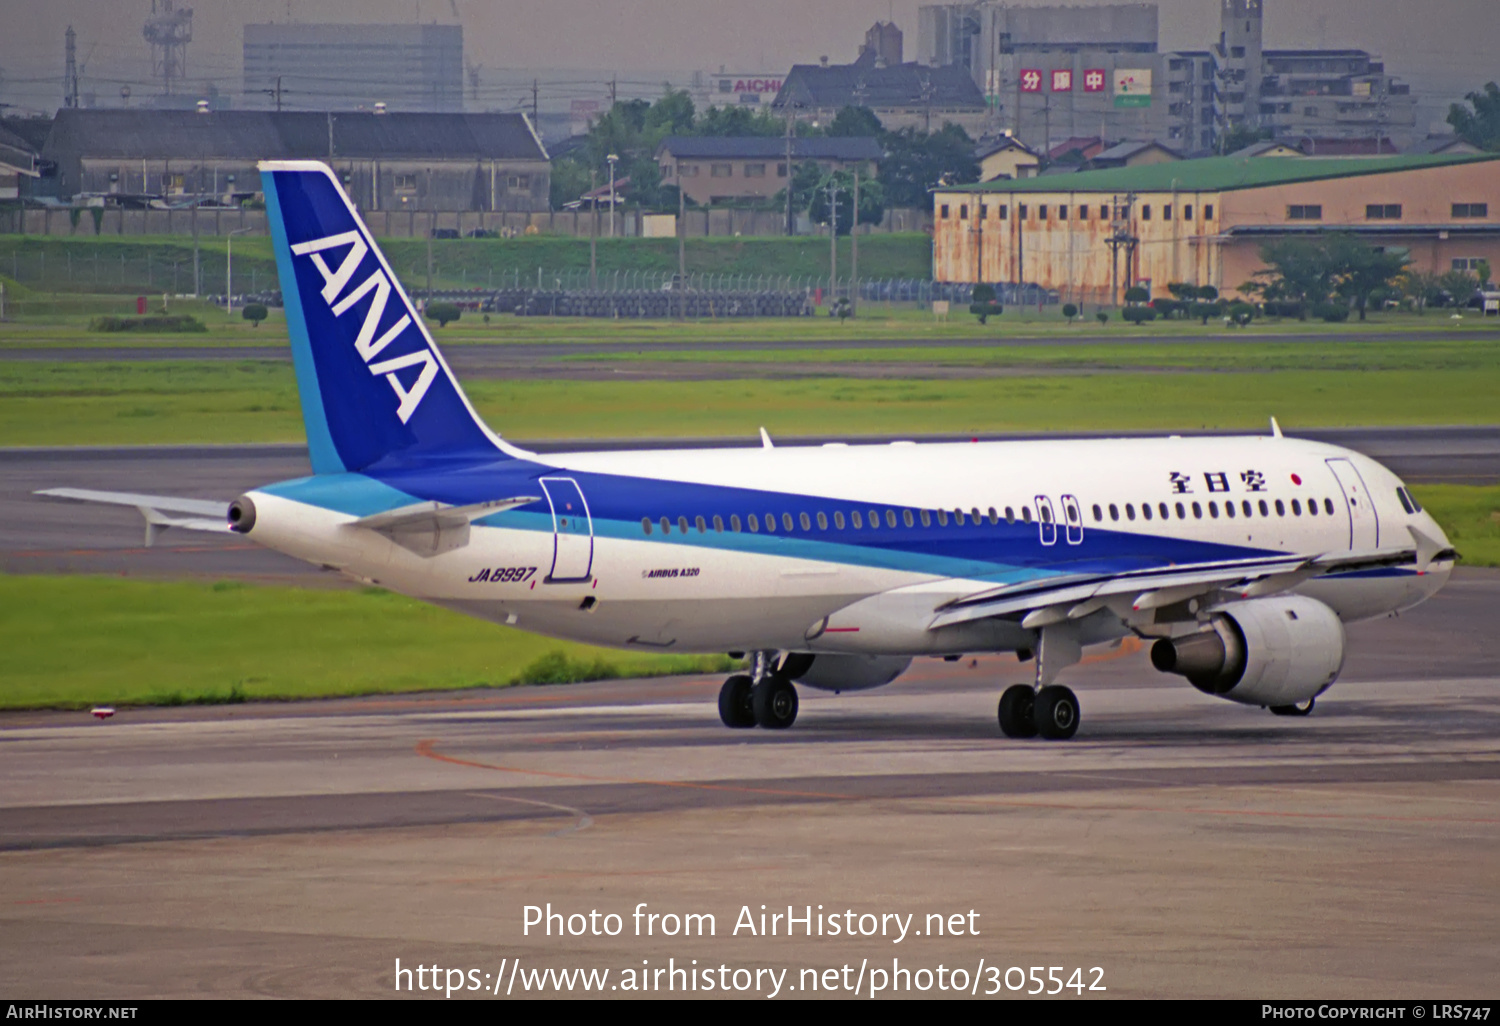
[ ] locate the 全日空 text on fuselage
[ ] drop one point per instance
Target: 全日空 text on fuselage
(873, 552)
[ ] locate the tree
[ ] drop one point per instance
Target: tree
(871, 200)
(570, 179)
(254, 313)
(1137, 294)
(1481, 125)
(984, 306)
(443, 313)
(1240, 136)
(1459, 285)
(736, 121)
(916, 162)
(1296, 270)
(805, 180)
(1359, 269)
(854, 122)
(1070, 310)
(1208, 293)
(1182, 291)
(1420, 288)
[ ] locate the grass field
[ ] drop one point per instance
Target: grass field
(255, 401)
(70, 642)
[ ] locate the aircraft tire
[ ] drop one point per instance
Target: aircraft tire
(1056, 713)
(775, 703)
(1017, 711)
(735, 707)
(1294, 710)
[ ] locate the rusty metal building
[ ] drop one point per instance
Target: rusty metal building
(1091, 234)
(389, 162)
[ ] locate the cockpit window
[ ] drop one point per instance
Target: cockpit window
(1408, 501)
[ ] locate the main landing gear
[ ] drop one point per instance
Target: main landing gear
(771, 704)
(1051, 712)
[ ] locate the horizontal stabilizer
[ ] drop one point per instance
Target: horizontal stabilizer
(167, 503)
(205, 514)
(432, 528)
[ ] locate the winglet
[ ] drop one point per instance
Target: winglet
(1275, 428)
(765, 440)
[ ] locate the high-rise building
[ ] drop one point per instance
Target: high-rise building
(354, 67)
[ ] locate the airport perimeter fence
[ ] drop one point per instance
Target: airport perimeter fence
(88, 278)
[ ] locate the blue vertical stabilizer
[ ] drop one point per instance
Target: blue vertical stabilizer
(373, 384)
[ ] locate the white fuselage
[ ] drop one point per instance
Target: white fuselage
(982, 514)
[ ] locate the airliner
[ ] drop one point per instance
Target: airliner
(1239, 559)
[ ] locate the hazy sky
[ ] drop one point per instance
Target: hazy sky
(1438, 45)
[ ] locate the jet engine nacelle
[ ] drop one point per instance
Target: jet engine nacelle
(1269, 652)
(845, 672)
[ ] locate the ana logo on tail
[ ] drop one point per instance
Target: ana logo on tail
(378, 287)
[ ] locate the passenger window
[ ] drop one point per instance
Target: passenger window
(1025, 514)
(754, 523)
(975, 514)
(1181, 513)
(701, 525)
(646, 524)
(1114, 512)
(1312, 507)
(907, 518)
(1130, 511)
(1161, 507)
(890, 518)
(1146, 510)
(666, 526)
(734, 522)
(1328, 507)
(718, 524)
(942, 515)
(786, 521)
(1213, 510)
(855, 519)
(682, 524)
(1265, 510)
(1098, 514)
(926, 518)
(770, 522)
(995, 517)
(1197, 512)
(838, 519)
(1010, 515)
(874, 519)
(958, 518)
(1248, 509)
(805, 521)
(1280, 508)
(1229, 509)
(822, 521)
(1296, 508)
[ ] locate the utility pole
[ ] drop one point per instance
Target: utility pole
(229, 270)
(791, 225)
(70, 68)
(854, 247)
(278, 94)
(431, 222)
(536, 123)
(1121, 238)
(614, 91)
(613, 159)
(833, 237)
(681, 249)
(593, 230)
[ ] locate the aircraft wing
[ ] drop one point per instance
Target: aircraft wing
(1072, 597)
(159, 511)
